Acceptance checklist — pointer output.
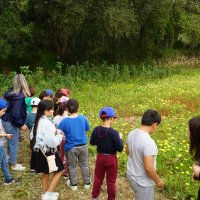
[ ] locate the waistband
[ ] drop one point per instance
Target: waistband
(79, 145)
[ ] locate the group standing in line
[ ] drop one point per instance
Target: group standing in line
(58, 143)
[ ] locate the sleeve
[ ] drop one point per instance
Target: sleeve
(16, 114)
(61, 126)
(150, 149)
(92, 138)
(51, 139)
(119, 145)
(87, 125)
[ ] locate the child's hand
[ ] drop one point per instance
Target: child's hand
(9, 136)
(24, 128)
(120, 135)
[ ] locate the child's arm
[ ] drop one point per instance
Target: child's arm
(8, 136)
(118, 141)
(126, 149)
(92, 138)
(149, 167)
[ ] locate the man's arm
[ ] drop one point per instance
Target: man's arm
(149, 167)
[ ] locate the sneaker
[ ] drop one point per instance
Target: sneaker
(72, 187)
(50, 196)
(18, 167)
(66, 177)
(11, 181)
(87, 186)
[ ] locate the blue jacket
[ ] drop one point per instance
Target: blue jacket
(16, 110)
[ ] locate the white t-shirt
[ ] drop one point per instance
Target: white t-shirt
(140, 144)
(57, 119)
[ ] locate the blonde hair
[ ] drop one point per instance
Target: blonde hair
(20, 84)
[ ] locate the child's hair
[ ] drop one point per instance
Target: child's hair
(150, 117)
(46, 93)
(72, 106)
(42, 107)
(62, 107)
(32, 90)
(20, 84)
(194, 129)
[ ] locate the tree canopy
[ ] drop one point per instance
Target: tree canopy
(40, 32)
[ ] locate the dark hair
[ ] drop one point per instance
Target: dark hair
(43, 94)
(194, 129)
(62, 107)
(32, 90)
(150, 117)
(72, 106)
(42, 106)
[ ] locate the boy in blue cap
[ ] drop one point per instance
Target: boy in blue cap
(3, 157)
(108, 142)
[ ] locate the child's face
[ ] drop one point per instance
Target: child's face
(49, 113)
(48, 98)
(2, 111)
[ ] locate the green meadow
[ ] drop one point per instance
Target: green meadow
(173, 91)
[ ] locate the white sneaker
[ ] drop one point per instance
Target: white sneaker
(18, 167)
(50, 196)
(72, 187)
(87, 186)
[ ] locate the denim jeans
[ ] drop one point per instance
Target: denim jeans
(4, 163)
(13, 144)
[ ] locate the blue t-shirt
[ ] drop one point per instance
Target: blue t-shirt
(75, 131)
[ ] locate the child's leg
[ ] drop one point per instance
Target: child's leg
(83, 163)
(111, 176)
(4, 164)
(72, 161)
(99, 174)
(45, 180)
(54, 181)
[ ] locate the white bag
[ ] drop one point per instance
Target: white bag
(51, 160)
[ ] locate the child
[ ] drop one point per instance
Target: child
(46, 94)
(62, 113)
(28, 99)
(60, 93)
(108, 142)
(45, 141)
(30, 119)
(76, 150)
(3, 156)
(142, 152)
(194, 140)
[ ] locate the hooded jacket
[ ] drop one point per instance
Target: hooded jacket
(16, 110)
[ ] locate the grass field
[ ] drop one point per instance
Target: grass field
(176, 97)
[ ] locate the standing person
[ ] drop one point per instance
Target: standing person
(3, 157)
(194, 141)
(15, 116)
(28, 99)
(30, 119)
(62, 92)
(45, 140)
(142, 152)
(62, 113)
(76, 150)
(46, 94)
(108, 142)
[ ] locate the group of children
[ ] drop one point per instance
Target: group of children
(59, 143)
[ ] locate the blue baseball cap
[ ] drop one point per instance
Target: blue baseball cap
(3, 104)
(49, 92)
(107, 112)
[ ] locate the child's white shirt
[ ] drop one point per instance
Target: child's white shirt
(46, 137)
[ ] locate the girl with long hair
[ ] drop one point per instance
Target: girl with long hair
(44, 142)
